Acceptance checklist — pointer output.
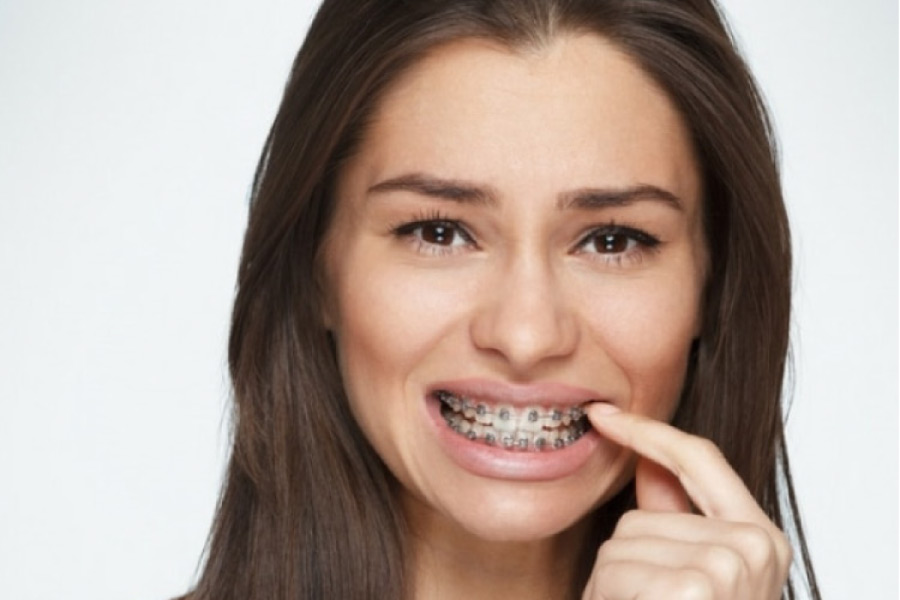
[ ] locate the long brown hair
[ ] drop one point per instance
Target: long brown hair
(307, 509)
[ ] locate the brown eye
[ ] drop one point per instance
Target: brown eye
(439, 234)
(612, 243)
(436, 236)
(616, 241)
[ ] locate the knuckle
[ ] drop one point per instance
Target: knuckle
(614, 550)
(784, 549)
(757, 546)
(627, 522)
(726, 563)
(691, 584)
(603, 572)
(605, 552)
(706, 449)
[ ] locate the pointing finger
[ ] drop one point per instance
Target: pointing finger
(658, 490)
(704, 474)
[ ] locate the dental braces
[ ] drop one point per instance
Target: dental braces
(533, 428)
(480, 412)
(546, 439)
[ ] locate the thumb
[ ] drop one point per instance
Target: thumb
(658, 490)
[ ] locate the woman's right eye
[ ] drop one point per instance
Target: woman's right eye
(440, 236)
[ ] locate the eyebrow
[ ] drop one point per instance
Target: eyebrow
(584, 198)
(435, 187)
(595, 198)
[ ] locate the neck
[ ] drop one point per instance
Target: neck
(448, 562)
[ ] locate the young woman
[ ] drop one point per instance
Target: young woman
(512, 314)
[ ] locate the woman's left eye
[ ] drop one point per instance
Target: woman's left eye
(616, 241)
(440, 233)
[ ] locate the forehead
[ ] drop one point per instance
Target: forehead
(576, 112)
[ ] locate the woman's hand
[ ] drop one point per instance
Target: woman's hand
(662, 550)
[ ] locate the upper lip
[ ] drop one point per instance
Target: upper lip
(541, 393)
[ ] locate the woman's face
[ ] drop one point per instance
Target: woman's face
(518, 234)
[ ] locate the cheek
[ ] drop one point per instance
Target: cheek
(647, 331)
(386, 324)
(388, 318)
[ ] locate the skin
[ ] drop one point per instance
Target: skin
(507, 282)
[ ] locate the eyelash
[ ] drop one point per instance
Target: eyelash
(408, 230)
(637, 240)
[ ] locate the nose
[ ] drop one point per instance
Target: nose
(526, 317)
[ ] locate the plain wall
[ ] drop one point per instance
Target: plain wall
(129, 133)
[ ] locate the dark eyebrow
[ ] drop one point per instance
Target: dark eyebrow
(445, 189)
(595, 198)
(467, 192)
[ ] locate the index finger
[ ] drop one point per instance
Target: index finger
(709, 481)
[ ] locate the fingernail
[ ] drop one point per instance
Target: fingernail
(605, 408)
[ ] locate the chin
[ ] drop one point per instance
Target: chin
(519, 516)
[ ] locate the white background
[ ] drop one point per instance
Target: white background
(129, 133)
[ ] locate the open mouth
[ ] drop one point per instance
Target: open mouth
(528, 428)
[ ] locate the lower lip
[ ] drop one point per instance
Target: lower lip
(495, 462)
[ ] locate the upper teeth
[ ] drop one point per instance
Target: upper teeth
(507, 417)
(534, 427)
